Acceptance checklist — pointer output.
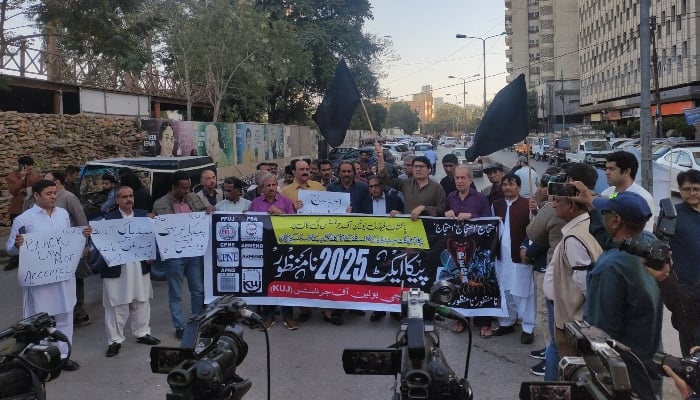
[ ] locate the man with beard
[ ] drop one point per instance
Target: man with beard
(209, 193)
(325, 173)
(359, 195)
(287, 178)
(19, 183)
(270, 201)
(126, 288)
(109, 188)
(494, 172)
(515, 278)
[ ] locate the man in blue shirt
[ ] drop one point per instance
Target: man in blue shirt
(432, 156)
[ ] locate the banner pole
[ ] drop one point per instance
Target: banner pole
(367, 116)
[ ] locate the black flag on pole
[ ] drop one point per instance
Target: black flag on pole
(505, 121)
(334, 113)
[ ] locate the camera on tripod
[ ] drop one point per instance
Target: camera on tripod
(204, 366)
(25, 364)
(416, 356)
(655, 252)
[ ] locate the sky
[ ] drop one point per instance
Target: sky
(423, 37)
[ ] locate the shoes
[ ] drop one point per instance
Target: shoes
(304, 315)
(458, 327)
(503, 330)
(148, 339)
(291, 323)
(81, 320)
(377, 315)
(333, 319)
(70, 366)
(10, 267)
(267, 323)
(113, 349)
(486, 332)
(357, 312)
(527, 338)
(538, 369)
(538, 354)
(179, 333)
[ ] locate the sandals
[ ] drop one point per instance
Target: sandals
(458, 327)
(334, 319)
(486, 332)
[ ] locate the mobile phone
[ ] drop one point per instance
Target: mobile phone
(561, 189)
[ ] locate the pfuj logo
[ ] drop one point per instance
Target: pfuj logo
(227, 231)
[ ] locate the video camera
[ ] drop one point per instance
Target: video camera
(656, 252)
(599, 373)
(204, 366)
(687, 368)
(416, 356)
(25, 364)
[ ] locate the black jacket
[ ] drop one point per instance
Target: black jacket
(116, 271)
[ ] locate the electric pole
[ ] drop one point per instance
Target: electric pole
(645, 96)
(563, 110)
(657, 93)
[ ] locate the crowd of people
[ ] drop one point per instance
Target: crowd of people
(559, 258)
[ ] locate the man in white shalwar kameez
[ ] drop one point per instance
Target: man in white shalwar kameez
(127, 289)
(56, 299)
(515, 278)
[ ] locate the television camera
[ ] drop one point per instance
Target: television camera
(656, 252)
(416, 359)
(204, 366)
(25, 364)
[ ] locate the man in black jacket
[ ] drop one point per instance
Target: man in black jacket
(127, 288)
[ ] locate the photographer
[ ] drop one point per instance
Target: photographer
(623, 300)
(685, 247)
(685, 390)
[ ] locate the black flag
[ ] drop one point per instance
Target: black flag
(504, 123)
(334, 113)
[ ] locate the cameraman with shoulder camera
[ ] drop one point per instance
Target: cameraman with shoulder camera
(623, 300)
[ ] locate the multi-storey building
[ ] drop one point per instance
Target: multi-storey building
(542, 40)
(609, 57)
(423, 104)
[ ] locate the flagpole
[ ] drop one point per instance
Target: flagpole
(367, 116)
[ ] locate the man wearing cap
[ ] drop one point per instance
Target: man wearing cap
(622, 298)
(494, 172)
(528, 176)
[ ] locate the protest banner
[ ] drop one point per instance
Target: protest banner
(182, 235)
(124, 240)
(321, 202)
(352, 262)
(50, 256)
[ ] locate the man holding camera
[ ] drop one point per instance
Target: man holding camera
(622, 299)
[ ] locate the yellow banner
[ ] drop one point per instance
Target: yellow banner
(349, 230)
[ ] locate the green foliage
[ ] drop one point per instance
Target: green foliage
(377, 114)
(402, 116)
(679, 126)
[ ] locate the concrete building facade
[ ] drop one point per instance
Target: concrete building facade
(422, 103)
(609, 57)
(542, 40)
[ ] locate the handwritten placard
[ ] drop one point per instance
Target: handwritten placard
(124, 240)
(50, 257)
(318, 202)
(182, 235)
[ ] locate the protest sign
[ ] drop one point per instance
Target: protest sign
(50, 256)
(355, 262)
(321, 202)
(124, 240)
(182, 235)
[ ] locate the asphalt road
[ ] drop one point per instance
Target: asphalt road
(305, 364)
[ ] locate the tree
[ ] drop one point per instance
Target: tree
(401, 115)
(327, 31)
(678, 125)
(377, 115)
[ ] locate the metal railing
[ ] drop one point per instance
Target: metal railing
(27, 62)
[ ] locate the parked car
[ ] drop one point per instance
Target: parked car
(154, 173)
(448, 142)
(398, 150)
(353, 154)
(477, 166)
(680, 159)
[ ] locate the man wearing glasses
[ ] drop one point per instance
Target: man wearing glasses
(685, 247)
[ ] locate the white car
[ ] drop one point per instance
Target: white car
(680, 159)
(448, 142)
(420, 148)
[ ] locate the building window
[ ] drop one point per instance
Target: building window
(679, 64)
(684, 49)
(678, 23)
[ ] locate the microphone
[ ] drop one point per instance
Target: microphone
(56, 334)
(445, 311)
(247, 314)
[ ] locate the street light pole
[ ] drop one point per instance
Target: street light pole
(464, 96)
(483, 52)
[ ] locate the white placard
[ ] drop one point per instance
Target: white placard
(182, 235)
(318, 202)
(50, 256)
(124, 240)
